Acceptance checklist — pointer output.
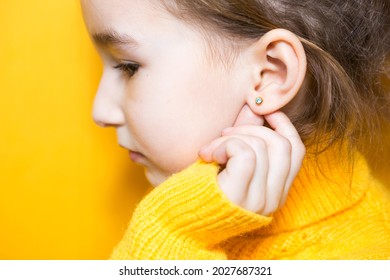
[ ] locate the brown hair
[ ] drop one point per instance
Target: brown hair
(346, 43)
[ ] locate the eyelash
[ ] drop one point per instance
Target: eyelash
(128, 68)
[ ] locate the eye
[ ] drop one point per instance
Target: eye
(128, 68)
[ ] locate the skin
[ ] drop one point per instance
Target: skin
(173, 109)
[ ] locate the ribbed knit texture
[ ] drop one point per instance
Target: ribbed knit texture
(330, 213)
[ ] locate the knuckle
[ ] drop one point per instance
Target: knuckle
(249, 155)
(236, 142)
(284, 144)
(260, 144)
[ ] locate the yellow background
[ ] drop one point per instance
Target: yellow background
(66, 188)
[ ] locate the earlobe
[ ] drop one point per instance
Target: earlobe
(279, 65)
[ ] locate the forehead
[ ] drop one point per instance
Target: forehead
(118, 14)
(145, 26)
(142, 20)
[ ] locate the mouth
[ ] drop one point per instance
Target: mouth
(134, 156)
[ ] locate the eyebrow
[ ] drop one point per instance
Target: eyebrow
(115, 39)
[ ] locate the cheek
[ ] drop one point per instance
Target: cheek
(168, 133)
(172, 115)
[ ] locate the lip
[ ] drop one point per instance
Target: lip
(136, 157)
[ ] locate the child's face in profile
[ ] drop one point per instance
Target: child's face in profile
(177, 100)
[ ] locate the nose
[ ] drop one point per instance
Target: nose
(107, 110)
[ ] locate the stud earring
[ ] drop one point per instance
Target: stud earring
(259, 100)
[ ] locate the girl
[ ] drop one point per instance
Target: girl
(216, 98)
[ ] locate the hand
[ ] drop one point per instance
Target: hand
(260, 163)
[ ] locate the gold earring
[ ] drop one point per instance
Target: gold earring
(259, 100)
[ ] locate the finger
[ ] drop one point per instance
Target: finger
(282, 124)
(245, 117)
(206, 152)
(256, 194)
(253, 195)
(248, 117)
(240, 162)
(279, 154)
(279, 161)
(249, 192)
(265, 190)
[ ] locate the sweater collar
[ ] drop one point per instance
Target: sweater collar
(325, 186)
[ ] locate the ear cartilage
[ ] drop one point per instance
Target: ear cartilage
(259, 100)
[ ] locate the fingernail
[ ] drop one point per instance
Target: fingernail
(227, 130)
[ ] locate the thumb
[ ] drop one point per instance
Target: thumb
(247, 117)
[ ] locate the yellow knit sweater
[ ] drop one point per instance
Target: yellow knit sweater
(330, 213)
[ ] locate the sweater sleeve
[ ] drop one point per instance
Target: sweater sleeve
(186, 217)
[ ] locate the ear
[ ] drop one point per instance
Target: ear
(278, 63)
